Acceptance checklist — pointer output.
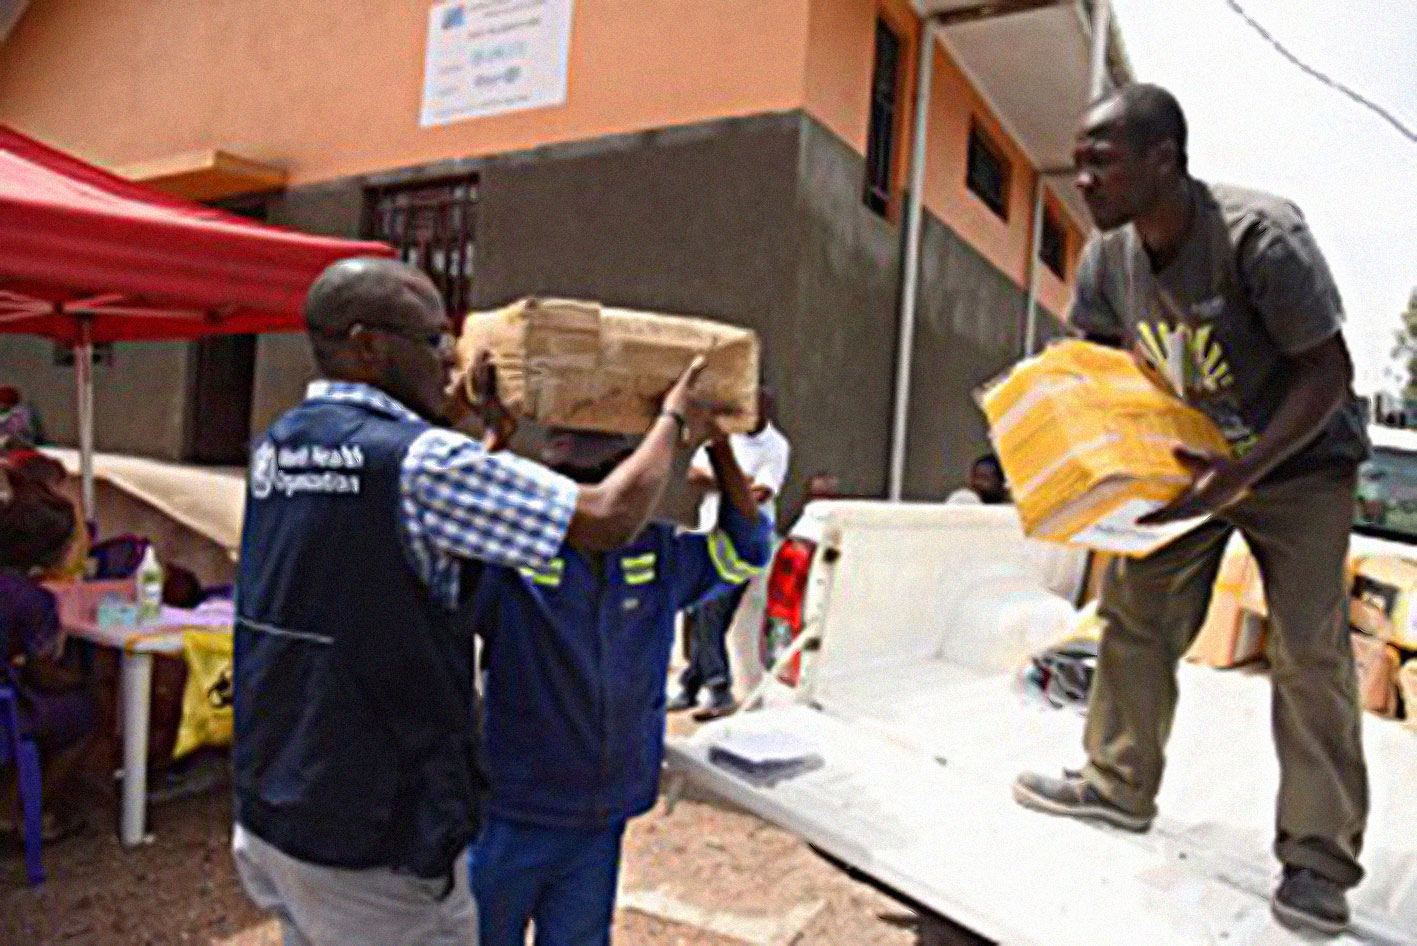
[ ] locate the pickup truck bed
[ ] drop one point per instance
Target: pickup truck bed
(924, 613)
(962, 847)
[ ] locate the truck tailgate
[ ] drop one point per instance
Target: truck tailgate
(921, 802)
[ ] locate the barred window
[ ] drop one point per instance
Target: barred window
(431, 226)
(881, 135)
(1052, 245)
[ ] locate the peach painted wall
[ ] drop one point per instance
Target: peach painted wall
(841, 45)
(328, 89)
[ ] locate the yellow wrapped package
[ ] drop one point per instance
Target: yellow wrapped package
(1086, 440)
(207, 716)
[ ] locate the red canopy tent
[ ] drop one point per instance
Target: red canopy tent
(86, 256)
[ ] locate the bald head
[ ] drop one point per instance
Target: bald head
(368, 291)
(381, 322)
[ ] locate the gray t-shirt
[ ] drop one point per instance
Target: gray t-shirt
(1247, 290)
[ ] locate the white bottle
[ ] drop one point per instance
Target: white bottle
(150, 577)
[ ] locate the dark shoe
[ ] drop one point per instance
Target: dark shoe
(1075, 797)
(685, 699)
(720, 703)
(1309, 900)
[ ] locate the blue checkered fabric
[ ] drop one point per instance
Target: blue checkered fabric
(459, 501)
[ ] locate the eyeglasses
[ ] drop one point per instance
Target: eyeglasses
(443, 343)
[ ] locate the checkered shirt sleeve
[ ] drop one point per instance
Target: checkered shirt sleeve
(461, 501)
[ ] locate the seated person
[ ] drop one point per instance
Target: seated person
(36, 529)
(181, 588)
(577, 656)
(74, 565)
(986, 484)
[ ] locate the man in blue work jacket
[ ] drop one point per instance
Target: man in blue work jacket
(573, 734)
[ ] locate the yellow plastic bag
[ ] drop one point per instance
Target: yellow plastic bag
(207, 716)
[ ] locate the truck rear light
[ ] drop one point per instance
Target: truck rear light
(787, 593)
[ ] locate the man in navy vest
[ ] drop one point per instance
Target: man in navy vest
(366, 524)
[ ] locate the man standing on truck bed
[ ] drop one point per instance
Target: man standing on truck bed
(1237, 277)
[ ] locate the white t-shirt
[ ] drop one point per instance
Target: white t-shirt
(763, 457)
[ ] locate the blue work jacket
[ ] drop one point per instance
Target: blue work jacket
(576, 659)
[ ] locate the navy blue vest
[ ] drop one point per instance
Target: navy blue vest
(354, 743)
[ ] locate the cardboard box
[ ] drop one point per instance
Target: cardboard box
(1384, 592)
(1407, 684)
(567, 363)
(1377, 665)
(1086, 439)
(1233, 633)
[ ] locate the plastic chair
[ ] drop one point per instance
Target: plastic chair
(25, 754)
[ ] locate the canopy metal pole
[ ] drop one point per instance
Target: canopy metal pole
(1101, 33)
(910, 282)
(83, 375)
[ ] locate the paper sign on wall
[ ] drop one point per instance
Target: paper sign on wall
(486, 57)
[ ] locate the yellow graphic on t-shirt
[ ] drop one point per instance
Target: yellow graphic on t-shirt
(1209, 357)
(1202, 365)
(1192, 362)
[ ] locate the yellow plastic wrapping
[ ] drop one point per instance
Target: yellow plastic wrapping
(207, 716)
(1086, 440)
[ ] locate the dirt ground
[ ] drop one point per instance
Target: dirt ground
(701, 869)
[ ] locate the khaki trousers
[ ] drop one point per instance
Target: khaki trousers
(1153, 609)
(330, 906)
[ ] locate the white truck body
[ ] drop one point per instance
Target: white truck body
(925, 615)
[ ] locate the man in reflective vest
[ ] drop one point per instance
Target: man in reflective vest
(573, 726)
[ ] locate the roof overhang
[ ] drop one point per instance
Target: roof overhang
(206, 175)
(1031, 62)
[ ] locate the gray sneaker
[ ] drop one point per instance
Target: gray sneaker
(1075, 797)
(1307, 899)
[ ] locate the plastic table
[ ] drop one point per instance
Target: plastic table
(136, 647)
